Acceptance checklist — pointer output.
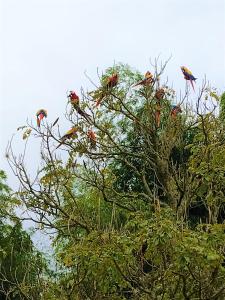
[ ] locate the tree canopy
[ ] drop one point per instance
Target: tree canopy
(134, 191)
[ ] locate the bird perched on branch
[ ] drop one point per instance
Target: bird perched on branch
(92, 137)
(74, 100)
(175, 110)
(103, 91)
(111, 81)
(41, 113)
(160, 93)
(188, 76)
(71, 133)
(148, 80)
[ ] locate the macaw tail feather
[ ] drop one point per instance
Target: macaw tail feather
(38, 122)
(157, 118)
(192, 84)
(83, 114)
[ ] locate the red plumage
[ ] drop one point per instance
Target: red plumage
(175, 110)
(74, 99)
(41, 113)
(112, 81)
(92, 136)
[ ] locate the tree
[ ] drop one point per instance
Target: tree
(123, 209)
(21, 266)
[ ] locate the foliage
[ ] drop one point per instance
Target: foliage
(140, 215)
(21, 266)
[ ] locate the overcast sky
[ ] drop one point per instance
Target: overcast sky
(48, 44)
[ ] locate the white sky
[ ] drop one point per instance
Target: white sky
(48, 44)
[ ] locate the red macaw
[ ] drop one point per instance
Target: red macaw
(111, 82)
(92, 137)
(74, 100)
(160, 93)
(188, 75)
(41, 113)
(71, 133)
(149, 79)
(175, 110)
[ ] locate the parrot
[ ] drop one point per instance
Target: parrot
(41, 113)
(92, 137)
(188, 76)
(71, 133)
(112, 81)
(175, 110)
(100, 93)
(160, 93)
(74, 100)
(147, 80)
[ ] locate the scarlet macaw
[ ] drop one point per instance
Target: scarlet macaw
(175, 110)
(149, 79)
(160, 93)
(92, 137)
(188, 75)
(74, 100)
(112, 81)
(100, 93)
(41, 113)
(71, 133)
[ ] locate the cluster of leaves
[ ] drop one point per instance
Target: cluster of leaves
(21, 266)
(141, 215)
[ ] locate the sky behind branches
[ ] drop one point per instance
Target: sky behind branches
(47, 45)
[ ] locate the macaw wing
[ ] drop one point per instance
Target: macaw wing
(192, 77)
